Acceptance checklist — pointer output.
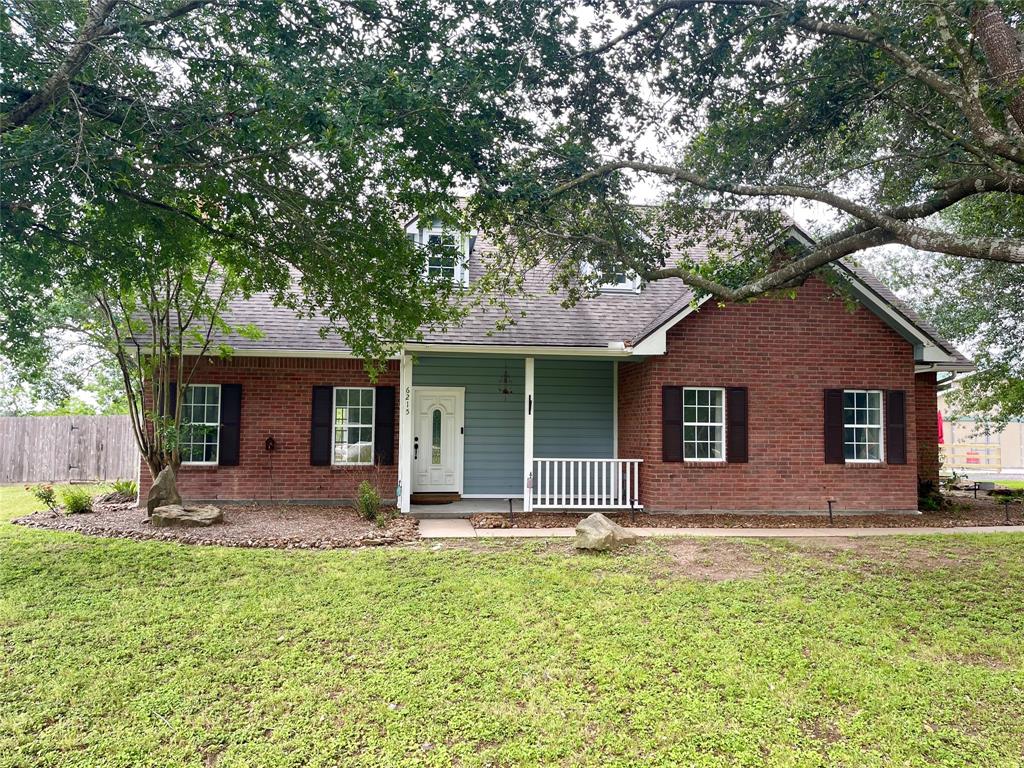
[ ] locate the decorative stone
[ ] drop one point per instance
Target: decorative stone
(164, 491)
(598, 532)
(177, 516)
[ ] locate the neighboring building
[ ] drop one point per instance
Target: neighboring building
(965, 447)
(636, 397)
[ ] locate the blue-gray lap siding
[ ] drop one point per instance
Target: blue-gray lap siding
(573, 413)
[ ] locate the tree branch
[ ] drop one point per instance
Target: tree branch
(993, 249)
(95, 29)
(796, 16)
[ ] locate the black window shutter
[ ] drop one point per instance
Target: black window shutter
(671, 423)
(320, 433)
(384, 426)
(230, 424)
(896, 426)
(834, 427)
(736, 425)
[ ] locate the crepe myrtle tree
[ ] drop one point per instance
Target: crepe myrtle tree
(149, 299)
(880, 115)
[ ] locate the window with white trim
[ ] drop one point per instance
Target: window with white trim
(703, 424)
(353, 425)
(626, 282)
(862, 425)
(622, 281)
(200, 424)
(447, 253)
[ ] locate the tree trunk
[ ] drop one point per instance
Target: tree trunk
(1002, 52)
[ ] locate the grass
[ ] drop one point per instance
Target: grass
(904, 652)
(1011, 483)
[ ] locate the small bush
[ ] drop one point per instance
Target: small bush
(126, 488)
(46, 494)
(367, 501)
(384, 516)
(929, 497)
(76, 500)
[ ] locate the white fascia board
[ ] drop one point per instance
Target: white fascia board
(516, 350)
(957, 367)
(656, 343)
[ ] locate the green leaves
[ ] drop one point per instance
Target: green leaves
(296, 136)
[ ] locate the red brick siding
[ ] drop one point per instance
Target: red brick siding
(927, 407)
(786, 352)
(277, 400)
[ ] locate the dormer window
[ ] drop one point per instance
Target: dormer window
(447, 252)
(622, 281)
(617, 282)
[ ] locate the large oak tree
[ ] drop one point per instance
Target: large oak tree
(884, 114)
(154, 151)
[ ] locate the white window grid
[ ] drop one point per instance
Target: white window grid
(863, 420)
(352, 427)
(449, 264)
(703, 424)
(200, 424)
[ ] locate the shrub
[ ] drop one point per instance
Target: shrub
(929, 497)
(76, 500)
(367, 501)
(126, 488)
(46, 494)
(384, 516)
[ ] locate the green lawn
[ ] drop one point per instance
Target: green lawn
(905, 652)
(1011, 483)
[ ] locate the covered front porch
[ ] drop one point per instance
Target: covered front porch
(478, 431)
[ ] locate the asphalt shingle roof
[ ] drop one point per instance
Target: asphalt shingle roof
(612, 318)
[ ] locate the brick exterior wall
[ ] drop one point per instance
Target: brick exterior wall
(786, 352)
(277, 400)
(927, 406)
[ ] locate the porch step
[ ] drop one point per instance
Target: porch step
(435, 498)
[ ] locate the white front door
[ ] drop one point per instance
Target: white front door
(437, 439)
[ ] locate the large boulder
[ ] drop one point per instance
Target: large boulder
(164, 491)
(598, 532)
(177, 516)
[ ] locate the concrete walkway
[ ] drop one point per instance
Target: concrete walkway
(461, 529)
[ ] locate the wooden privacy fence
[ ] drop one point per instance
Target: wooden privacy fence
(67, 449)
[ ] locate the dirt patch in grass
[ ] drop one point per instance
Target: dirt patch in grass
(297, 526)
(821, 730)
(873, 555)
(711, 561)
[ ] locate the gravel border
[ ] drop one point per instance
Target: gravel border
(126, 521)
(968, 512)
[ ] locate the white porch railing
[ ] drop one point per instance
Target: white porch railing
(585, 484)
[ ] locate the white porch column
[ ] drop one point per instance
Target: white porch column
(405, 433)
(528, 436)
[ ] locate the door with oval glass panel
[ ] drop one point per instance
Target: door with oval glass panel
(438, 417)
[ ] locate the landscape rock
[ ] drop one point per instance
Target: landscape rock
(598, 532)
(175, 515)
(164, 491)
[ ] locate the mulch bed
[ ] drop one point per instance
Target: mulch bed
(962, 510)
(283, 526)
